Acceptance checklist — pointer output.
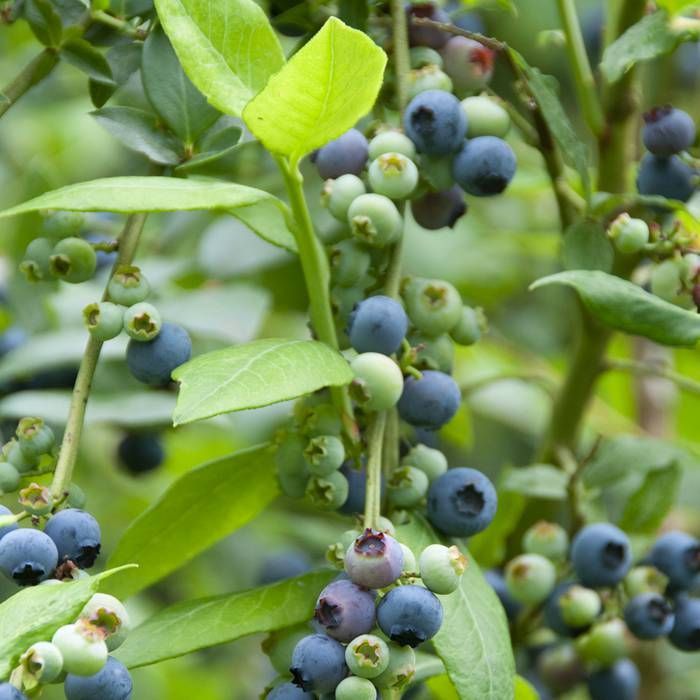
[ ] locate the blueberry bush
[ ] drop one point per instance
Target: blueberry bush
(348, 349)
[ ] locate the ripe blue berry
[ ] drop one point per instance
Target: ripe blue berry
(9, 692)
(7, 528)
(649, 616)
(346, 154)
(435, 121)
(289, 691)
(668, 130)
(461, 502)
(279, 566)
(112, 682)
(620, 681)
(677, 555)
(345, 610)
(27, 556)
(377, 324)
(410, 615)
(435, 210)
(426, 36)
(154, 361)
(600, 555)
(666, 177)
(498, 583)
(685, 634)
(374, 560)
(141, 452)
(374, 220)
(76, 535)
(357, 487)
(318, 663)
(484, 166)
(468, 63)
(431, 401)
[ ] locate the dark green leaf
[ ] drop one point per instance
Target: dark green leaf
(44, 21)
(196, 511)
(198, 624)
(86, 58)
(124, 60)
(354, 13)
(216, 156)
(178, 102)
(586, 247)
(71, 11)
(489, 546)
(139, 131)
(650, 504)
(538, 481)
(627, 307)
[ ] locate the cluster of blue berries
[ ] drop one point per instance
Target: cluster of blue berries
(385, 587)
(593, 601)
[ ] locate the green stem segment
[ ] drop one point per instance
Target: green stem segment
(402, 59)
(33, 73)
(375, 442)
(68, 453)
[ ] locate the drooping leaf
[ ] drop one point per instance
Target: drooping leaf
(586, 247)
(34, 614)
(196, 511)
(626, 307)
(222, 619)
(473, 642)
(86, 58)
(227, 48)
(256, 374)
(324, 89)
(44, 21)
(538, 481)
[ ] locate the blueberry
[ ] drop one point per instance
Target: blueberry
(431, 401)
(600, 555)
(498, 583)
(393, 175)
(677, 555)
(427, 78)
(355, 688)
(76, 535)
(288, 691)
(429, 460)
(377, 324)
(572, 609)
(7, 528)
(73, 260)
(35, 265)
(685, 634)
(485, 117)
(328, 492)
(346, 154)
(441, 568)
(629, 235)
(142, 321)
(318, 663)
(468, 63)
(410, 615)
(426, 36)
(339, 194)
(436, 123)
(128, 286)
(378, 382)
(112, 682)
(649, 616)
(530, 578)
(35, 437)
(345, 610)
(547, 539)
(391, 141)
(434, 306)
(374, 220)
(141, 452)
(435, 210)
(553, 612)
(283, 565)
(374, 559)
(324, 454)
(668, 130)
(401, 669)
(406, 486)
(367, 656)
(484, 166)
(84, 652)
(461, 502)
(27, 556)
(604, 644)
(9, 692)
(154, 361)
(666, 177)
(357, 487)
(620, 681)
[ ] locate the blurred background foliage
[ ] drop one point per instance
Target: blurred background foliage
(223, 283)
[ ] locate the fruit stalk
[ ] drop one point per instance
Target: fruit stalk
(32, 74)
(373, 497)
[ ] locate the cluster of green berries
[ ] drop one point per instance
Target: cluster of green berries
(31, 450)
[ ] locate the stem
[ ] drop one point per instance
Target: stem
(402, 60)
(375, 440)
(33, 73)
(81, 391)
(119, 24)
(578, 59)
(647, 370)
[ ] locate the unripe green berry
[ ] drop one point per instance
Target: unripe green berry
(579, 606)
(324, 454)
(427, 78)
(401, 668)
(128, 286)
(629, 235)
(385, 525)
(35, 265)
(378, 381)
(422, 56)
(104, 320)
(530, 578)
(62, 224)
(340, 193)
(374, 220)
(42, 662)
(485, 117)
(350, 262)
(16, 456)
(84, 652)
(76, 496)
(604, 644)
(410, 565)
(644, 579)
(142, 321)
(35, 438)
(668, 281)
(108, 614)
(407, 486)
(391, 142)
(355, 688)
(441, 568)
(434, 306)
(328, 492)
(9, 478)
(433, 352)
(393, 175)
(427, 459)
(36, 499)
(547, 539)
(321, 419)
(560, 667)
(367, 656)
(73, 260)
(472, 323)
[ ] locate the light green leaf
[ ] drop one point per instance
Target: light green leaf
(627, 307)
(538, 481)
(227, 48)
(473, 642)
(524, 690)
(268, 221)
(34, 614)
(586, 247)
(206, 622)
(324, 89)
(256, 374)
(196, 511)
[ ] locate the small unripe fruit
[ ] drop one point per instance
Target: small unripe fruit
(73, 260)
(84, 651)
(9, 478)
(579, 606)
(324, 454)
(605, 644)
(472, 323)
(340, 193)
(328, 492)
(37, 257)
(355, 688)
(410, 565)
(644, 579)
(128, 286)
(401, 669)
(530, 578)
(427, 78)
(367, 656)
(142, 322)
(391, 142)
(441, 568)
(429, 460)
(407, 486)
(549, 540)
(350, 262)
(104, 320)
(108, 614)
(434, 306)
(485, 117)
(378, 381)
(36, 499)
(43, 662)
(374, 220)
(629, 235)
(374, 560)
(393, 175)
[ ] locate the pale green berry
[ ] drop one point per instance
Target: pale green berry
(128, 286)
(9, 478)
(43, 662)
(35, 265)
(340, 193)
(427, 459)
(279, 645)
(378, 381)
(393, 175)
(644, 579)
(328, 492)
(36, 499)
(547, 539)
(108, 614)
(401, 668)
(367, 656)
(355, 688)
(472, 323)
(407, 486)
(410, 565)
(421, 56)
(391, 142)
(629, 235)
(104, 320)
(35, 437)
(83, 650)
(530, 578)
(142, 322)
(441, 568)
(485, 117)
(324, 454)
(579, 606)
(604, 644)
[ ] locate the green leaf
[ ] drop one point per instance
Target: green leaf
(138, 131)
(489, 546)
(524, 690)
(124, 60)
(627, 307)
(586, 247)
(573, 148)
(34, 614)
(216, 153)
(86, 58)
(171, 93)
(473, 642)
(650, 37)
(256, 374)
(651, 503)
(268, 221)
(227, 48)
(324, 89)
(538, 481)
(197, 510)
(207, 622)
(44, 21)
